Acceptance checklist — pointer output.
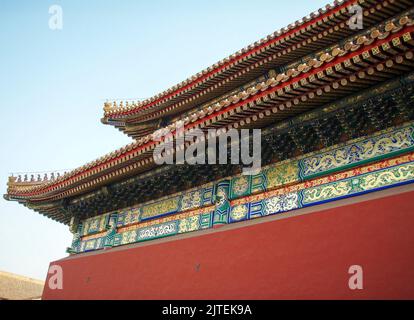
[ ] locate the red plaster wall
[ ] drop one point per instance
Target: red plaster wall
(303, 257)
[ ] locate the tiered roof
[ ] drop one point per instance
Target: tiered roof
(317, 30)
(318, 77)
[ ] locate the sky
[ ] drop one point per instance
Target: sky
(53, 84)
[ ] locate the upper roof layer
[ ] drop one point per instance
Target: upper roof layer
(313, 32)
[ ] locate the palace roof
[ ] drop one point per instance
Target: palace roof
(16, 287)
(333, 71)
(317, 30)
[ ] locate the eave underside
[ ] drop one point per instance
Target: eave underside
(357, 115)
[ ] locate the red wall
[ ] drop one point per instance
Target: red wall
(301, 257)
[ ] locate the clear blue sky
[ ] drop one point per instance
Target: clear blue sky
(53, 85)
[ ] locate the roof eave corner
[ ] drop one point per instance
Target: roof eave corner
(10, 183)
(104, 120)
(106, 110)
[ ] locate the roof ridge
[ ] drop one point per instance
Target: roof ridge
(336, 4)
(20, 277)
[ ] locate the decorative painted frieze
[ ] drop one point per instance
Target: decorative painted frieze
(354, 153)
(359, 184)
(222, 203)
(282, 203)
(111, 231)
(278, 188)
(388, 173)
(239, 213)
(92, 244)
(95, 224)
(168, 206)
(128, 216)
(296, 188)
(358, 152)
(184, 201)
(162, 230)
